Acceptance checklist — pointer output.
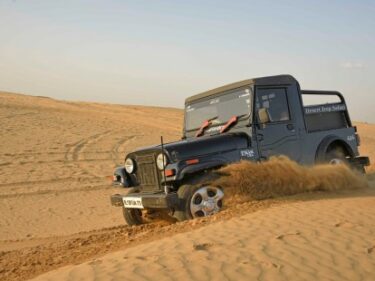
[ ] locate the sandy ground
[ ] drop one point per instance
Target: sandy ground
(317, 240)
(55, 160)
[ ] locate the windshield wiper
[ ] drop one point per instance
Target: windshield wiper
(204, 126)
(233, 120)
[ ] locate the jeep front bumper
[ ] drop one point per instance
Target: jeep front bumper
(146, 200)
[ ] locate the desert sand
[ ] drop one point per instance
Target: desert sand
(56, 221)
(316, 240)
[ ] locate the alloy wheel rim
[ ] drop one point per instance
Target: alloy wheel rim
(206, 201)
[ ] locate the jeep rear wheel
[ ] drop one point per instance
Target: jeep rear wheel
(336, 156)
(132, 216)
(198, 201)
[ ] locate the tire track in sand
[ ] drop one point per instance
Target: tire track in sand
(75, 152)
(115, 154)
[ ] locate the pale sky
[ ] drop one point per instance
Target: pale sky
(160, 52)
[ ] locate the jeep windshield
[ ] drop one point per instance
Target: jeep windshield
(219, 109)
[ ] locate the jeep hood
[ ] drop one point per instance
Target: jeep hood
(196, 147)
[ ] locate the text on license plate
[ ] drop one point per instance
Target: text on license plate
(133, 202)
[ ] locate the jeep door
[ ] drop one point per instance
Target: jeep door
(278, 135)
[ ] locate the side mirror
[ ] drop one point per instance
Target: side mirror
(263, 115)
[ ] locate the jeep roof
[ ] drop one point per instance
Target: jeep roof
(261, 81)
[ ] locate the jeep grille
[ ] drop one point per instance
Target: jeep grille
(147, 173)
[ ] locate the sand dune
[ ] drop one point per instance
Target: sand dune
(55, 160)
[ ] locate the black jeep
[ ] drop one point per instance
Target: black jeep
(248, 120)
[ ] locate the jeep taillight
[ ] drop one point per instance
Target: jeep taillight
(358, 139)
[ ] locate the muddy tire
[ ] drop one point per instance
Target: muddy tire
(132, 216)
(183, 193)
(198, 201)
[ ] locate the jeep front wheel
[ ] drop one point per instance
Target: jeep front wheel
(198, 201)
(132, 216)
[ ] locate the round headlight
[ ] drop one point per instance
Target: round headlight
(129, 165)
(161, 161)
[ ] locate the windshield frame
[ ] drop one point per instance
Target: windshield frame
(248, 116)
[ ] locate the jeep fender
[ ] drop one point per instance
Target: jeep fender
(200, 168)
(121, 177)
(326, 143)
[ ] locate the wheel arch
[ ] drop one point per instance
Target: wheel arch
(329, 143)
(200, 170)
(201, 177)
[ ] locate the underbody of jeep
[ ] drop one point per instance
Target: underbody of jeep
(220, 128)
